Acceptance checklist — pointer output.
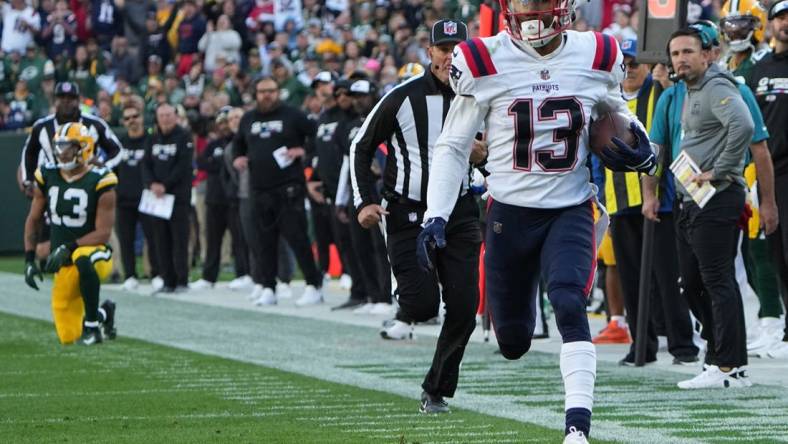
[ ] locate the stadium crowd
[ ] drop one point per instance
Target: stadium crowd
(191, 69)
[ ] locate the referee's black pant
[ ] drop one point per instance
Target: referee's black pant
(172, 239)
(665, 298)
(219, 218)
(281, 211)
(707, 243)
(457, 268)
(126, 228)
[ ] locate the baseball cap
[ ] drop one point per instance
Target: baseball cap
(154, 58)
(778, 8)
(342, 84)
(629, 48)
(323, 77)
(448, 31)
(66, 89)
(362, 88)
(709, 31)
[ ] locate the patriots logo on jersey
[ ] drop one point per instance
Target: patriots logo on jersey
(455, 72)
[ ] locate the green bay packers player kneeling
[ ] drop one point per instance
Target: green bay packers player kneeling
(80, 198)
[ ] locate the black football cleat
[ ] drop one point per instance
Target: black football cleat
(109, 323)
(91, 336)
(431, 404)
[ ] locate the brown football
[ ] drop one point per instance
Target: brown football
(609, 125)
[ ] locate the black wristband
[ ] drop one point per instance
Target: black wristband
(30, 256)
(72, 246)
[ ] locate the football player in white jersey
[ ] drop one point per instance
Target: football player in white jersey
(535, 87)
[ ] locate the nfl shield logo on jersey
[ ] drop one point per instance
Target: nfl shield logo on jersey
(450, 28)
(544, 74)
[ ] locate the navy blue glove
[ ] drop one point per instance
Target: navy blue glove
(626, 158)
(432, 235)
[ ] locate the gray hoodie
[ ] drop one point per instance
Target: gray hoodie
(717, 128)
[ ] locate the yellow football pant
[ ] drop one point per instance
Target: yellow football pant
(68, 308)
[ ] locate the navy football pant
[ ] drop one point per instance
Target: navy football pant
(524, 244)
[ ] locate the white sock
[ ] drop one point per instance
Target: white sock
(578, 368)
(620, 320)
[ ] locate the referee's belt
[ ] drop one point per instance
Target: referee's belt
(392, 196)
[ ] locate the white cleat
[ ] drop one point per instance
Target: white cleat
(780, 351)
(157, 283)
(575, 437)
(241, 283)
(397, 331)
(363, 309)
(382, 309)
(131, 284)
(256, 292)
(713, 377)
(768, 340)
(283, 290)
(201, 284)
(345, 282)
(267, 297)
(311, 296)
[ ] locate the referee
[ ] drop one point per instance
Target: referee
(408, 119)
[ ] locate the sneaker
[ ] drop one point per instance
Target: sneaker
(363, 309)
(350, 303)
(382, 309)
(311, 296)
(765, 342)
(685, 360)
(201, 284)
(431, 404)
(345, 282)
(256, 292)
(267, 297)
(109, 319)
(283, 290)
(397, 331)
(713, 377)
(91, 336)
(780, 351)
(181, 289)
(241, 283)
(744, 377)
(575, 437)
(613, 333)
(131, 284)
(157, 283)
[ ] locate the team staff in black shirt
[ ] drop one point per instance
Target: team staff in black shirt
(270, 143)
(221, 208)
(167, 168)
(129, 192)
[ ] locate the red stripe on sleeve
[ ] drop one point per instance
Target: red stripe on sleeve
(613, 53)
(485, 54)
(469, 59)
(599, 50)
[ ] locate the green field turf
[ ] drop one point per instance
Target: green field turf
(133, 391)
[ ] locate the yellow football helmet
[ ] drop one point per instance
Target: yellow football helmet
(742, 22)
(73, 145)
(409, 70)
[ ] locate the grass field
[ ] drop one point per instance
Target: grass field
(206, 366)
(133, 391)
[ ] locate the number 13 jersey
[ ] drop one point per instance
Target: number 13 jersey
(538, 112)
(71, 206)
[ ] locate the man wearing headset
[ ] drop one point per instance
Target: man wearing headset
(717, 129)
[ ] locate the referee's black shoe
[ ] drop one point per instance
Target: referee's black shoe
(350, 303)
(431, 404)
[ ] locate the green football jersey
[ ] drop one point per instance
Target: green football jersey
(72, 205)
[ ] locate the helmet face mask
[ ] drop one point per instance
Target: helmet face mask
(739, 30)
(537, 22)
(73, 146)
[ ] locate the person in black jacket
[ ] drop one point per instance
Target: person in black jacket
(129, 192)
(270, 143)
(221, 213)
(167, 169)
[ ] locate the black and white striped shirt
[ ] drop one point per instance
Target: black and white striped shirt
(38, 146)
(409, 120)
